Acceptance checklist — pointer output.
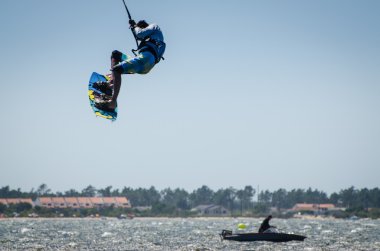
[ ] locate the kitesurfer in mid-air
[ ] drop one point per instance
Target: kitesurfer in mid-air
(150, 50)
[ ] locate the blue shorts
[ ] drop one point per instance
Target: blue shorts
(141, 64)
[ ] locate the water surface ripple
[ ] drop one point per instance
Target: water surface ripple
(181, 234)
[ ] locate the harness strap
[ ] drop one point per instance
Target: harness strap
(151, 45)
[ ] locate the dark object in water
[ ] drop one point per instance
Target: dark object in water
(274, 237)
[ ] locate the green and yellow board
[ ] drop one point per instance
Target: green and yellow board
(98, 97)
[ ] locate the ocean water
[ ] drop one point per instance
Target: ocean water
(181, 234)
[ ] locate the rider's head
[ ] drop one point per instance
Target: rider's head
(142, 24)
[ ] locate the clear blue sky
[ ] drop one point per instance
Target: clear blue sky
(281, 94)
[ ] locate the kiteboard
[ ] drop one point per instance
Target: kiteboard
(99, 94)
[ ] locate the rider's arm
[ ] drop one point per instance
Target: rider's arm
(143, 33)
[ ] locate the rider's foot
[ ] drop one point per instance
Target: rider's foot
(104, 87)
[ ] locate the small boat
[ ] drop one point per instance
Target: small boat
(128, 216)
(270, 236)
(354, 217)
(122, 217)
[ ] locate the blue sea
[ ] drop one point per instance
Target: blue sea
(181, 234)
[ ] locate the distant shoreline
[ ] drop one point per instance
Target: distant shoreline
(306, 217)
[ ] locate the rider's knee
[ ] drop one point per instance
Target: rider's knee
(116, 56)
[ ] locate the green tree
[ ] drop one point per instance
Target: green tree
(43, 190)
(72, 193)
(248, 194)
(106, 192)
(141, 196)
(115, 193)
(163, 209)
(315, 196)
(21, 207)
(363, 198)
(348, 197)
(226, 198)
(279, 199)
(89, 191)
(245, 197)
(265, 197)
(201, 196)
(374, 195)
(261, 208)
(2, 208)
(177, 198)
(296, 196)
(240, 196)
(6, 192)
(335, 199)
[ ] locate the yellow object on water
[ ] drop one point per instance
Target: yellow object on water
(242, 226)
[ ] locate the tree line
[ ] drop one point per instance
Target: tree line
(238, 200)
